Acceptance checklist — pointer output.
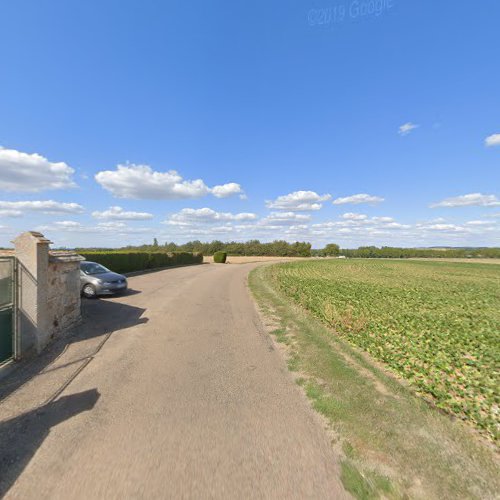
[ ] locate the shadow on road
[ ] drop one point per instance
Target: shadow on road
(107, 314)
(100, 319)
(20, 437)
(126, 293)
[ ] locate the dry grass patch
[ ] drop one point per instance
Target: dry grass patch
(240, 259)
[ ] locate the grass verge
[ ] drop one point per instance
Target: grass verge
(393, 444)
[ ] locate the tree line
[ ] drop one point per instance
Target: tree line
(372, 252)
(278, 248)
(281, 248)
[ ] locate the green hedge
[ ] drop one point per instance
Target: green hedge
(126, 262)
(220, 257)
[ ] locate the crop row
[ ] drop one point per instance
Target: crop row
(435, 324)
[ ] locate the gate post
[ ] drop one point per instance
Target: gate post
(32, 252)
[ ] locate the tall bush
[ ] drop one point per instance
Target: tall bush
(220, 257)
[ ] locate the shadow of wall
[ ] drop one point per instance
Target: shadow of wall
(20, 437)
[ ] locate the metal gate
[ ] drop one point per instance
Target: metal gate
(8, 313)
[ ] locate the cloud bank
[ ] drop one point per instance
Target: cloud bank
(26, 172)
(141, 182)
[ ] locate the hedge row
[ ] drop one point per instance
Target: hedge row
(126, 262)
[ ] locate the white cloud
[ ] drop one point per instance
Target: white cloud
(492, 140)
(357, 199)
(284, 219)
(348, 232)
(469, 200)
(69, 226)
(32, 172)
(480, 223)
(202, 223)
(396, 225)
(205, 232)
(226, 190)
(10, 213)
(117, 213)
(142, 182)
(17, 208)
(382, 219)
(445, 227)
(406, 128)
(112, 225)
(217, 230)
(325, 225)
(66, 226)
(188, 216)
(361, 224)
(352, 216)
(298, 201)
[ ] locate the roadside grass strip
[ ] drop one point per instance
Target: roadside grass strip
(394, 444)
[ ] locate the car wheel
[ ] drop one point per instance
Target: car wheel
(89, 291)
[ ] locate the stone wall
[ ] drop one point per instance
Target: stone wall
(27, 311)
(63, 298)
(48, 292)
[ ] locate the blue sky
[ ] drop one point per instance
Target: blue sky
(275, 116)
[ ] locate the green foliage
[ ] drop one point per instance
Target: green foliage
(367, 486)
(406, 253)
(434, 323)
(332, 250)
(126, 262)
(220, 257)
(280, 248)
(399, 444)
(276, 248)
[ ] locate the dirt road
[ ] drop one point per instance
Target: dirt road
(187, 398)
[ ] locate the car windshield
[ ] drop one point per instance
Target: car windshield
(93, 268)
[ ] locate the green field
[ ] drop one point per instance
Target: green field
(437, 324)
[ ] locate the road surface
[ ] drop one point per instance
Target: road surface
(186, 398)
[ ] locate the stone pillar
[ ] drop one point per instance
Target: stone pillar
(32, 252)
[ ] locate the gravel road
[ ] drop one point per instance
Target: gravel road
(187, 398)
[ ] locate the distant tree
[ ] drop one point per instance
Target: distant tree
(282, 248)
(215, 246)
(170, 247)
(331, 250)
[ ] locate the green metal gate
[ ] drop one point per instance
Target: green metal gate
(8, 320)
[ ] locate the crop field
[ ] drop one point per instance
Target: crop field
(437, 324)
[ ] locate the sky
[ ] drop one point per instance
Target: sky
(357, 122)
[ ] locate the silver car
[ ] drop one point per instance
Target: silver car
(97, 280)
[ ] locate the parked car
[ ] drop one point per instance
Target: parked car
(98, 280)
